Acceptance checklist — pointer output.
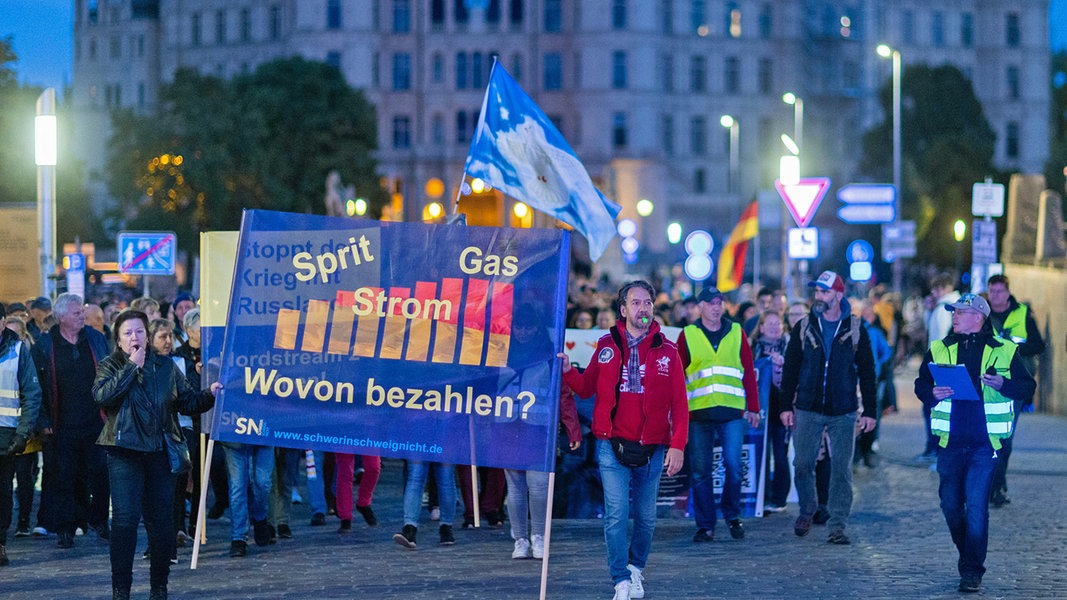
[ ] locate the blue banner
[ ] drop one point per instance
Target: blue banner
(427, 342)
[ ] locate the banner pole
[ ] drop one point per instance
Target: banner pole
(548, 532)
(475, 495)
(201, 516)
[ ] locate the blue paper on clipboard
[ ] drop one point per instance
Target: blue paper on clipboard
(955, 377)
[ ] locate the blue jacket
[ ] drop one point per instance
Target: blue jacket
(29, 391)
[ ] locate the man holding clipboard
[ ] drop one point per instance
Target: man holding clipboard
(970, 379)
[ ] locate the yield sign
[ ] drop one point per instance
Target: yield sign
(803, 198)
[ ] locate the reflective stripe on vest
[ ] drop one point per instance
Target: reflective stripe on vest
(714, 378)
(1014, 327)
(10, 407)
(999, 410)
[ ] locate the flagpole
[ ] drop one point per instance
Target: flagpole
(478, 130)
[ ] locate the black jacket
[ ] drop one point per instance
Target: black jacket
(29, 392)
(141, 404)
(810, 382)
(44, 355)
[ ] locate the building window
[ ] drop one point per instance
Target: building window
(700, 184)
(553, 16)
(967, 30)
(437, 68)
(462, 13)
(401, 71)
(732, 75)
(668, 17)
(766, 75)
(619, 132)
(698, 136)
(1012, 35)
(698, 17)
(516, 67)
(492, 13)
(275, 22)
(765, 21)
(937, 29)
(94, 11)
(333, 59)
(618, 14)
(1011, 140)
(733, 20)
(553, 71)
(92, 48)
(376, 70)
(477, 70)
(220, 27)
(246, 25)
(668, 135)
(1013, 82)
(618, 70)
(698, 75)
(515, 14)
(195, 33)
(667, 72)
(461, 70)
(401, 133)
(140, 95)
(437, 13)
(114, 47)
(333, 14)
(462, 136)
(907, 26)
(401, 16)
(437, 130)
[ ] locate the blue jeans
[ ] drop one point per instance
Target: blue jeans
(966, 478)
(316, 487)
(779, 452)
(703, 436)
(620, 484)
(140, 481)
(444, 475)
(527, 502)
(248, 464)
(806, 440)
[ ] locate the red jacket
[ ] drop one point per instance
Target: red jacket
(664, 402)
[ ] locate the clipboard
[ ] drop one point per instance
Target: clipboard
(955, 377)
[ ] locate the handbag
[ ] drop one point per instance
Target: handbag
(632, 454)
(178, 454)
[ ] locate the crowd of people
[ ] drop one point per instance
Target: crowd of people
(98, 399)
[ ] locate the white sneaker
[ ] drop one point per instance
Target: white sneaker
(637, 587)
(522, 549)
(537, 546)
(622, 591)
(435, 514)
(79, 531)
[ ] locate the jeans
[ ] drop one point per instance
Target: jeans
(286, 463)
(316, 488)
(703, 436)
(140, 481)
(966, 478)
(346, 469)
(527, 502)
(842, 434)
(779, 451)
(248, 464)
(7, 473)
(620, 485)
(491, 496)
(416, 481)
(79, 458)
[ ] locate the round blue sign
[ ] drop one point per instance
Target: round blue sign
(859, 251)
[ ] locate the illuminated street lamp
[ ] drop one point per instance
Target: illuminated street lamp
(886, 51)
(46, 152)
(645, 207)
(959, 231)
(730, 123)
(798, 118)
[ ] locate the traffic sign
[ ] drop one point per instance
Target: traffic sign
(898, 240)
(147, 252)
(803, 242)
(984, 242)
(859, 251)
(803, 198)
(987, 199)
(867, 213)
(868, 193)
(75, 267)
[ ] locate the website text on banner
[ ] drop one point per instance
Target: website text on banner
(428, 342)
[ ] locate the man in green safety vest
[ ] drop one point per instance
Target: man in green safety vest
(1014, 322)
(720, 379)
(971, 415)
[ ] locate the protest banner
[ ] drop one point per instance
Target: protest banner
(426, 342)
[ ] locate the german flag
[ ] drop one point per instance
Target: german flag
(732, 257)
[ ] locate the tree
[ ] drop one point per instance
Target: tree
(946, 146)
(263, 140)
(1054, 169)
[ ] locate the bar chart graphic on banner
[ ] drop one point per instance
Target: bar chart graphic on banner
(147, 252)
(394, 323)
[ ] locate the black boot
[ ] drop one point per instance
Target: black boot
(158, 593)
(120, 593)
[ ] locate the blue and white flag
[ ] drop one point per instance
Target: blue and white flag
(518, 150)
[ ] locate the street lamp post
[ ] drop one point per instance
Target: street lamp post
(885, 51)
(959, 232)
(45, 152)
(798, 117)
(730, 123)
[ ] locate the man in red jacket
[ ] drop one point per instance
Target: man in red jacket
(640, 420)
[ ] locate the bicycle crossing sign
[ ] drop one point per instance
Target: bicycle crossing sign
(147, 252)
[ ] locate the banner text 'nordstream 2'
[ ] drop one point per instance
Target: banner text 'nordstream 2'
(426, 342)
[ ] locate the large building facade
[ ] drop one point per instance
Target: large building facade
(637, 86)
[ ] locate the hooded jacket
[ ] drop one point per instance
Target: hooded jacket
(28, 391)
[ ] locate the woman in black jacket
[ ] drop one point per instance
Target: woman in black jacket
(141, 394)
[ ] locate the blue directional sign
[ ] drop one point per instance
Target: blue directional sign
(867, 213)
(868, 193)
(147, 252)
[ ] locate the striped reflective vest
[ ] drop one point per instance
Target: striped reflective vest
(999, 410)
(714, 378)
(10, 404)
(1014, 327)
